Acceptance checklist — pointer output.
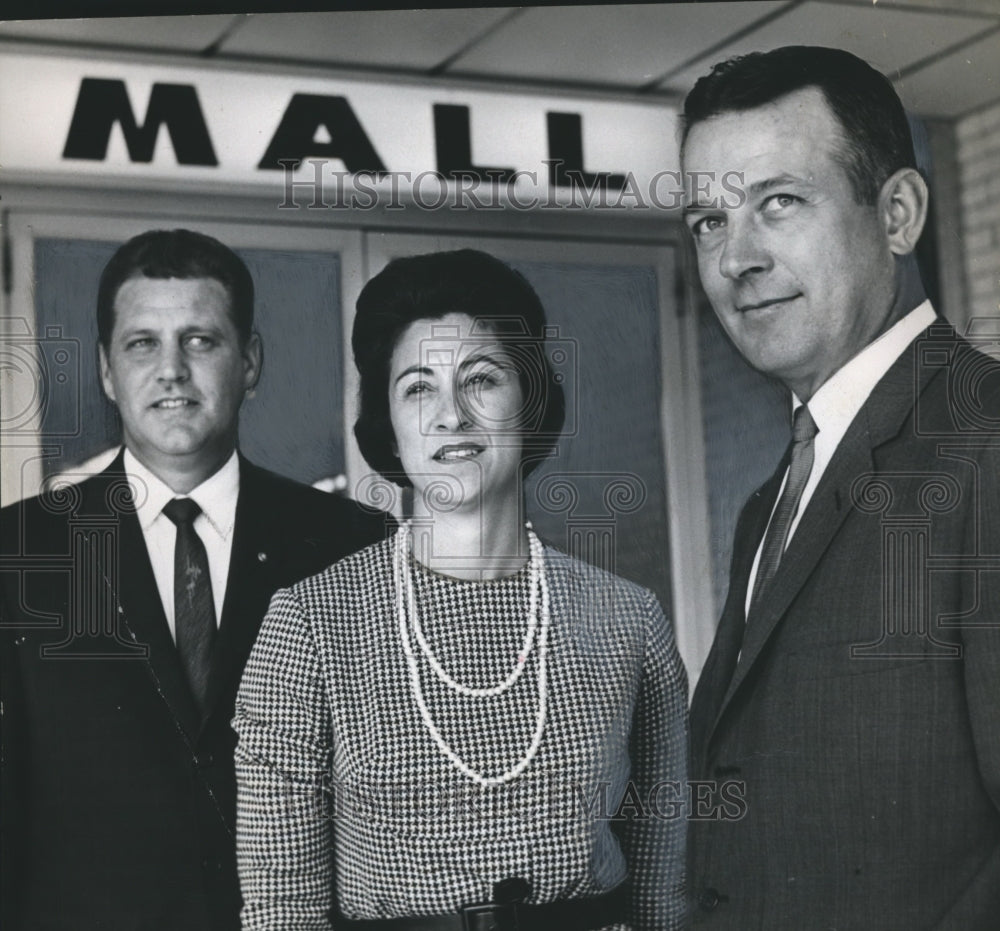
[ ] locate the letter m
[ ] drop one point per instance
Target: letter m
(103, 102)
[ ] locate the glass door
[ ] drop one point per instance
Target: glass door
(55, 417)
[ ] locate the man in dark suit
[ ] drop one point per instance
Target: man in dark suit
(853, 690)
(130, 604)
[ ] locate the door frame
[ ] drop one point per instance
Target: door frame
(245, 220)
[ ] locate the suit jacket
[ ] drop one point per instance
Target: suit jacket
(851, 731)
(119, 799)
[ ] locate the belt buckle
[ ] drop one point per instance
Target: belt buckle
(489, 916)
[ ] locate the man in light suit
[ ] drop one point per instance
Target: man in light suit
(853, 689)
(130, 603)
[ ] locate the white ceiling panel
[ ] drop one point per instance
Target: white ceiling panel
(975, 7)
(942, 53)
(956, 84)
(394, 39)
(173, 33)
(889, 39)
(627, 45)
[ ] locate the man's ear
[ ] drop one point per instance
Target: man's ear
(105, 370)
(253, 361)
(903, 208)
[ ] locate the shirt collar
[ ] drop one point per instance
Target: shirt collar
(216, 496)
(837, 401)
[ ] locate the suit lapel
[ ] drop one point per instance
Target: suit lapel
(253, 563)
(142, 612)
(826, 511)
(879, 421)
(721, 663)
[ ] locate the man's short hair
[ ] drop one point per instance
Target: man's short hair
(429, 287)
(877, 140)
(176, 253)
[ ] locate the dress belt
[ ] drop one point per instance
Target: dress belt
(563, 915)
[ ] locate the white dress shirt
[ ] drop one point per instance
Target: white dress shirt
(839, 399)
(216, 496)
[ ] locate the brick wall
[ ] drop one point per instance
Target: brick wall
(978, 154)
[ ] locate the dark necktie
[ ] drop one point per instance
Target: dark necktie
(194, 606)
(804, 431)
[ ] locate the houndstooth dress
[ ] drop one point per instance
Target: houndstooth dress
(346, 801)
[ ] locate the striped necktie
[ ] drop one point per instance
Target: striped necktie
(804, 431)
(194, 606)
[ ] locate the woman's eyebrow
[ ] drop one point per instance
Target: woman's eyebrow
(413, 370)
(478, 357)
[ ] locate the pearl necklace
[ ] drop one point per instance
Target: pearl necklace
(408, 617)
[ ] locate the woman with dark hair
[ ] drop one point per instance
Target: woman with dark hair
(461, 728)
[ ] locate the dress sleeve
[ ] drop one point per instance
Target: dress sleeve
(654, 836)
(283, 828)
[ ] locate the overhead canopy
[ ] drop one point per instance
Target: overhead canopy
(941, 54)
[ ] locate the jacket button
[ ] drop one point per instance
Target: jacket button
(709, 899)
